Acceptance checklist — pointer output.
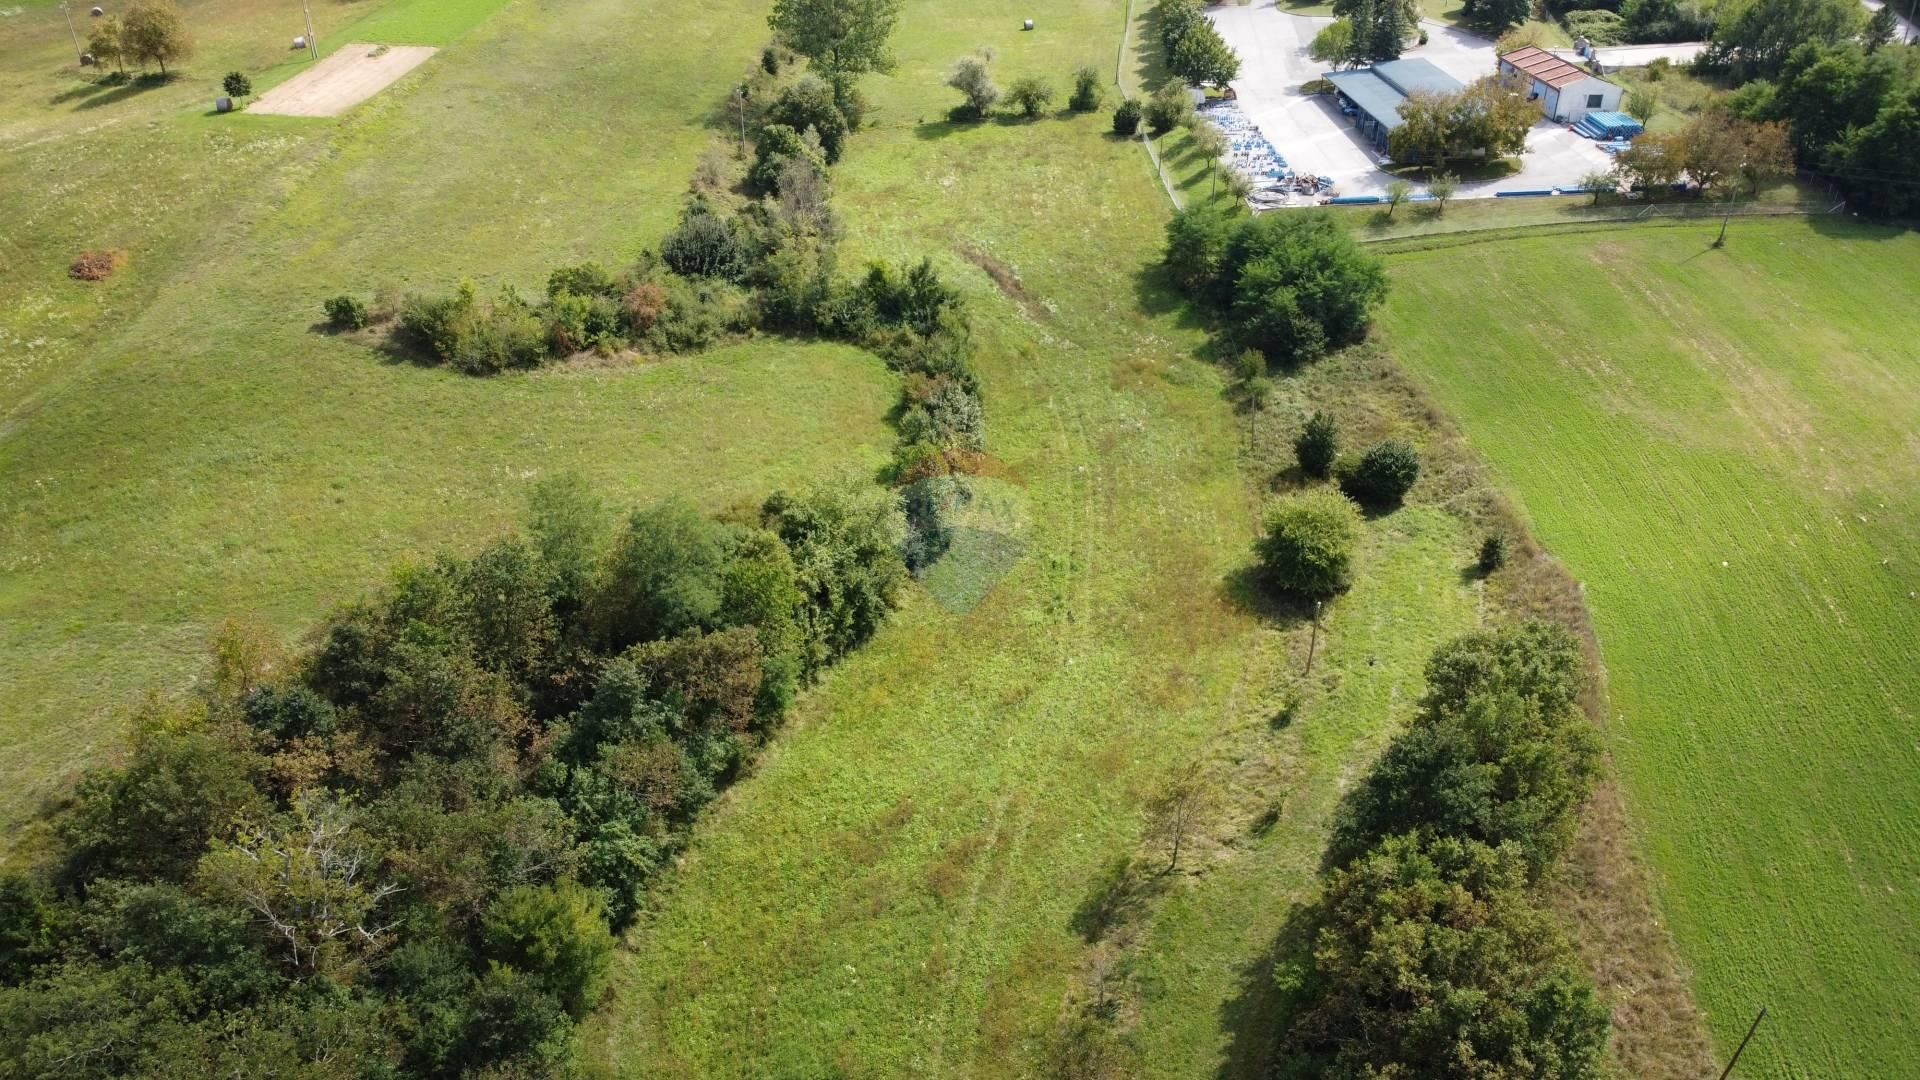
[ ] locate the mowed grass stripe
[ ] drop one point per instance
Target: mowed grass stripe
(1720, 444)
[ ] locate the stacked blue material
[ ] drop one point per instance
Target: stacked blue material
(1609, 126)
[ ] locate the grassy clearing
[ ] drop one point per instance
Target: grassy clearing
(1720, 444)
(204, 453)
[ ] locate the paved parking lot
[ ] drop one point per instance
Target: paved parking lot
(1310, 133)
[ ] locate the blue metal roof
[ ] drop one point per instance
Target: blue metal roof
(1375, 96)
(1408, 76)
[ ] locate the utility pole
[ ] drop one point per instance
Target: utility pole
(1728, 1071)
(313, 44)
(1314, 641)
(740, 108)
(78, 52)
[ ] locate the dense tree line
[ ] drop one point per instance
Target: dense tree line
(1426, 953)
(1853, 112)
(404, 849)
(1288, 285)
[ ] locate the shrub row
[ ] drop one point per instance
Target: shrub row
(1426, 953)
(407, 846)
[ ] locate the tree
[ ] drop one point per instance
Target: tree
(1654, 162)
(842, 38)
(705, 244)
(1031, 95)
(1295, 284)
(303, 876)
(1428, 958)
(1318, 446)
(1388, 33)
(1169, 108)
(1334, 43)
(1086, 89)
(1642, 103)
(1443, 188)
(1203, 58)
(1177, 811)
(1881, 28)
(1398, 191)
(152, 32)
(1197, 239)
(1599, 182)
(1127, 116)
(1496, 16)
(1308, 543)
(236, 84)
(1211, 144)
(103, 44)
(1385, 472)
(555, 934)
(971, 78)
(810, 105)
(665, 576)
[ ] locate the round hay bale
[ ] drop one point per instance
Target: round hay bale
(300, 42)
(97, 12)
(87, 59)
(1029, 25)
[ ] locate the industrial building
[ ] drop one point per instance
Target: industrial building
(1371, 96)
(1565, 92)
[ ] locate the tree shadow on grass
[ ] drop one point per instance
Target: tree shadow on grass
(85, 89)
(1155, 294)
(120, 93)
(1124, 888)
(1244, 589)
(1253, 1017)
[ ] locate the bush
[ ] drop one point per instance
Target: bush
(1086, 89)
(704, 244)
(1030, 95)
(1493, 553)
(810, 104)
(1318, 446)
(236, 84)
(1168, 108)
(775, 147)
(1127, 116)
(1599, 27)
(975, 83)
(1430, 953)
(1308, 543)
(345, 312)
(1385, 473)
(770, 60)
(479, 337)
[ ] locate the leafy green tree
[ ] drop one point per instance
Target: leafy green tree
(103, 43)
(975, 83)
(1197, 239)
(236, 84)
(1882, 26)
(572, 529)
(666, 576)
(1308, 542)
(557, 935)
(1211, 144)
(1031, 95)
(810, 105)
(1499, 751)
(1385, 472)
(1178, 18)
(1297, 284)
(705, 244)
(1398, 191)
(1427, 958)
(152, 32)
(840, 37)
(1443, 188)
(1496, 16)
(1642, 103)
(1889, 147)
(512, 1021)
(1086, 89)
(1169, 107)
(1387, 35)
(1203, 58)
(1334, 43)
(845, 539)
(1318, 446)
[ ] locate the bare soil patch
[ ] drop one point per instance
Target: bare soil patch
(350, 76)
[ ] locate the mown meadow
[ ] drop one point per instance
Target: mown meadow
(1719, 443)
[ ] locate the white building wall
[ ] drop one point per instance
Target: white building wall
(1573, 99)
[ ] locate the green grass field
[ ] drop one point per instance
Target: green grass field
(1721, 445)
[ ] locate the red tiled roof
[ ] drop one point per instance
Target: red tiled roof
(1540, 64)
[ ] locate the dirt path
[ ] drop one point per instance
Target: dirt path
(350, 76)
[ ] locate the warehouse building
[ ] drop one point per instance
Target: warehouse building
(1565, 92)
(1371, 96)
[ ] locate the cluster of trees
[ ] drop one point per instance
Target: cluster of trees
(1290, 286)
(1029, 97)
(1723, 154)
(151, 32)
(1752, 38)
(1489, 116)
(404, 850)
(1613, 22)
(1308, 539)
(1853, 112)
(1364, 31)
(1194, 50)
(1426, 952)
(842, 40)
(1495, 16)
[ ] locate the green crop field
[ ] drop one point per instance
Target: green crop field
(1721, 444)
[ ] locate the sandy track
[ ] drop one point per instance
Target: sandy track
(350, 76)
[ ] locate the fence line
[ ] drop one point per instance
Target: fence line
(1120, 80)
(1600, 220)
